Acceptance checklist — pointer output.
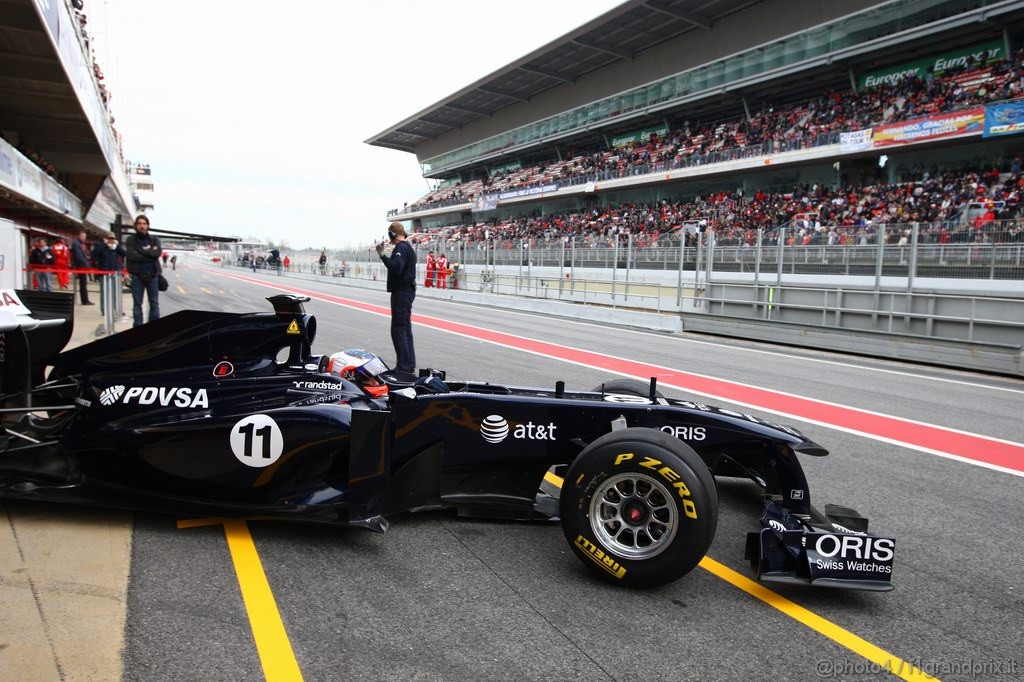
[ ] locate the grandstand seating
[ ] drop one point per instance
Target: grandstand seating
(817, 214)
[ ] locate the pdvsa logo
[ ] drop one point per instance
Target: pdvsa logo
(111, 394)
(495, 429)
(165, 396)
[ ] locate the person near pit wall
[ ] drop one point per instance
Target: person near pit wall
(80, 261)
(443, 270)
(108, 256)
(41, 261)
(431, 270)
(401, 267)
(61, 261)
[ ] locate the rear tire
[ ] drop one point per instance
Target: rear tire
(639, 507)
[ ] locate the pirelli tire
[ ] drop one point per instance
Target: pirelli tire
(639, 507)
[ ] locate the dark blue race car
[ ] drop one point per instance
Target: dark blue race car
(226, 414)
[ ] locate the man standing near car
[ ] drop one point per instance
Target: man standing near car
(107, 256)
(80, 261)
(41, 260)
(143, 262)
(401, 265)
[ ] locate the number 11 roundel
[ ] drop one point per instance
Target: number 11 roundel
(257, 441)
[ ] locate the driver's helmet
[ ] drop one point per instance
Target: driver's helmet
(361, 367)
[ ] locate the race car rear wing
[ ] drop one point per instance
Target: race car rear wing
(34, 328)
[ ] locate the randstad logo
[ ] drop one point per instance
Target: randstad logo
(110, 395)
(495, 429)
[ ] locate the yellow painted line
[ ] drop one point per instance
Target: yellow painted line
(180, 288)
(841, 636)
(276, 656)
(205, 290)
(823, 626)
(272, 644)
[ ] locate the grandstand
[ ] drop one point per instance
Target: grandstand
(683, 103)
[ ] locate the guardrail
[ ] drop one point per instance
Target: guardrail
(992, 250)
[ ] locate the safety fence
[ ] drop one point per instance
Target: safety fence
(112, 284)
(992, 250)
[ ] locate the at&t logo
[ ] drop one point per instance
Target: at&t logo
(495, 429)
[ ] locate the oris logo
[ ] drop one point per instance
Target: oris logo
(111, 395)
(686, 432)
(862, 547)
(494, 429)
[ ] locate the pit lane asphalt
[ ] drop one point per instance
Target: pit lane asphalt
(444, 598)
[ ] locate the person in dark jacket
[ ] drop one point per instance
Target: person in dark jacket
(79, 261)
(143, 262)
(41, 259)
(401, 265)
(108, 256)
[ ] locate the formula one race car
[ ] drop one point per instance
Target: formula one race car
(225, 414)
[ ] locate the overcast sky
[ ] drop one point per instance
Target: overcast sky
(252, 115)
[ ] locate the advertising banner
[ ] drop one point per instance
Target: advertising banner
(7, 174)
(11, 249)
(485, 202)
(639, 136)
(1004, 118)
(939, 64)
(30, 183)
(927, 128)
(855, 141)
(528, 191)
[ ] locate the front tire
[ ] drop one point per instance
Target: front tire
(639, 508)
(631, 387)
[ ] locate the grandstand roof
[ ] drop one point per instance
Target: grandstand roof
(616, 35)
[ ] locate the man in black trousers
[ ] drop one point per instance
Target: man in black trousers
(80, 260)
(401, 265)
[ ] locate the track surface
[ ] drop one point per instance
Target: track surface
(449, 599)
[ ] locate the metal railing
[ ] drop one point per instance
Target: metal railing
(994, 250)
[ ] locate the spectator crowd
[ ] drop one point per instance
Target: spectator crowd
(815, 214)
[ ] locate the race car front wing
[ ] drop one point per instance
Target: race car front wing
(826, 553)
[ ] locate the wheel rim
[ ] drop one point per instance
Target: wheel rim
(634, 516)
